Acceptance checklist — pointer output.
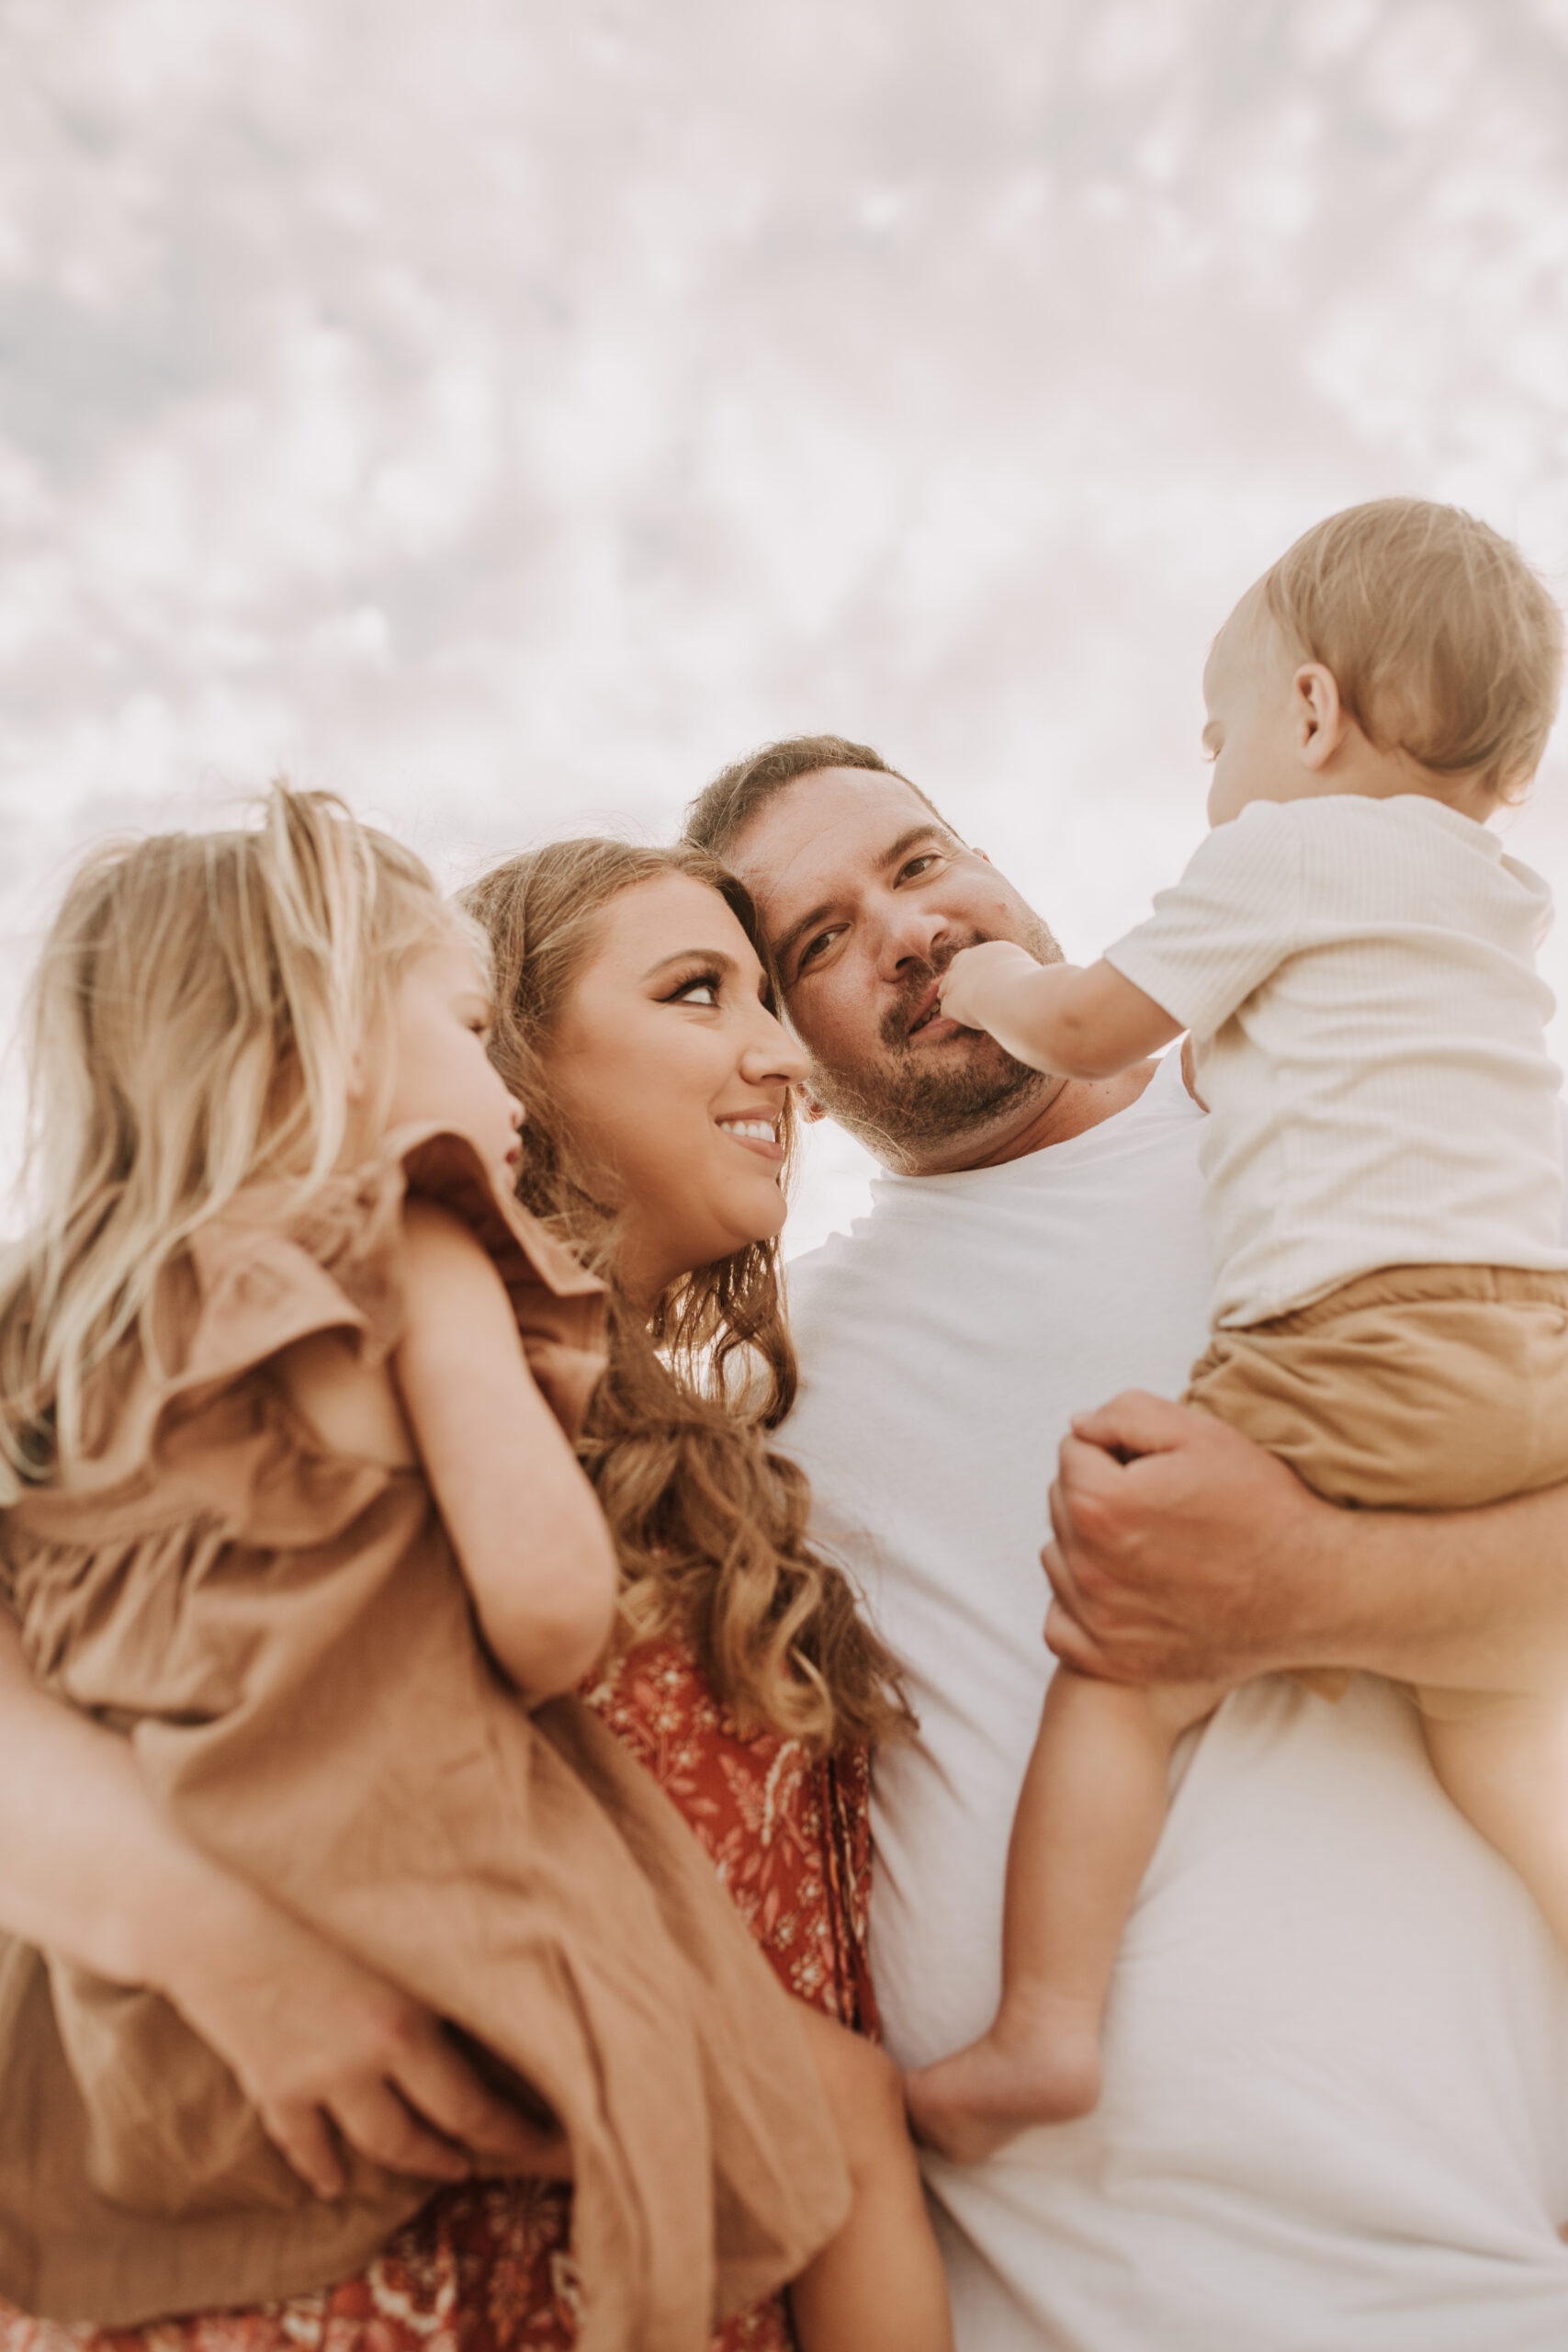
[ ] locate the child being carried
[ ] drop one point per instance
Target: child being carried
(1353, 954)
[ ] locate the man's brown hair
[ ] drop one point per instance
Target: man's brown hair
(723, 809)
(1442, 641)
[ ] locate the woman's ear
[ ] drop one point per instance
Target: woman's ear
(1320, 720)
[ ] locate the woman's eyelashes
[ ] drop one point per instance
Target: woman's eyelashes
(702, 988)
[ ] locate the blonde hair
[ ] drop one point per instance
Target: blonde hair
(194, 1023)
(709, 1522)
(1443, 643)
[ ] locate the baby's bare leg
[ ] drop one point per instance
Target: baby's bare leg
(1504, 1760)
(878, 2286)
(1088, 1821)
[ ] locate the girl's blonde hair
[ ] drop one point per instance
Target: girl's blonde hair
(195, 1022)
(710, 1523)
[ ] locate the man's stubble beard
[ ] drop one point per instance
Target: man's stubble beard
(900, 1110)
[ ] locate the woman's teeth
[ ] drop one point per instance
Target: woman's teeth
(760, 1130)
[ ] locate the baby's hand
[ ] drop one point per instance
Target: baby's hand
(971, 989)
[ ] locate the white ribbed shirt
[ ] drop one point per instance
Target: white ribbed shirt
(1358, 976)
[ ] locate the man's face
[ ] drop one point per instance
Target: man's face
(867, 897)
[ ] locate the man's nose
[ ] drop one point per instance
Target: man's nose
(910, 935)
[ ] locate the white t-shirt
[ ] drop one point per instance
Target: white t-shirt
(1335, 2112)
(1358, 976)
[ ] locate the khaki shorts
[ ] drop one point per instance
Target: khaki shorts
(1412, 1388)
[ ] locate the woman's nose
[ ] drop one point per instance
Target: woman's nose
(772, 1053)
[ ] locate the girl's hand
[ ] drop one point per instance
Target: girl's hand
(321, 2046)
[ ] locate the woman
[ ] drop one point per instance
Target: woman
(639, 1022)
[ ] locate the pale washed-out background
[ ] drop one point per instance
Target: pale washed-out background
(508, 412)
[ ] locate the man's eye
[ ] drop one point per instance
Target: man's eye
(917, 866)
(814, 947)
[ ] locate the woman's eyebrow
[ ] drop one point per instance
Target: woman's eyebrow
(713, 955)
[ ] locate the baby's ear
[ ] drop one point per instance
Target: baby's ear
(806, 1103)
(1320, 715)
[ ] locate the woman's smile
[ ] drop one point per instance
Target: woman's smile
(758, 1135)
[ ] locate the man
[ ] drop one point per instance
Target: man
(1336, 2108)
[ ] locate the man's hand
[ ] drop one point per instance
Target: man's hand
(321, 2046)
(1183, 1552)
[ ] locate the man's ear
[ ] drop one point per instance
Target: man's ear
(1319, 718)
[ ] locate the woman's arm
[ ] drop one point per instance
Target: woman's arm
(90, 1868)
(1183, 1552)
(523, 1519)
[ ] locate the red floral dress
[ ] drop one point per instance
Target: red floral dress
(485, 2267)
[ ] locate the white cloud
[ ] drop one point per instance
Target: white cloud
(507, 414)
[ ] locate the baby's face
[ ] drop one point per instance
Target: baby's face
(1253, 732)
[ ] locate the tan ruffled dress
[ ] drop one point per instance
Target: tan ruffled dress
(285, 1636)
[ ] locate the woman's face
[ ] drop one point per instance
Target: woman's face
(672, 1076)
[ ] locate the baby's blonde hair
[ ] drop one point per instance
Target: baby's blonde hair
(195, 1020)
(1442, 641)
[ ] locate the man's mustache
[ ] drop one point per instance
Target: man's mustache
(915, 986)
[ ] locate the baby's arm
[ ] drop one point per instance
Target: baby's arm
(523, 1519)
(1076, 1022)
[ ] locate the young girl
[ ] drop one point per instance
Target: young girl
(287, 1379)
(1353, 955)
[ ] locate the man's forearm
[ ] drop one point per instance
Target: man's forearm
(1473, 1600)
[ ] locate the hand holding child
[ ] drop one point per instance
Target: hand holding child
(324, 2047)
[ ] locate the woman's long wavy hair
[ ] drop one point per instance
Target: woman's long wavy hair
(709, 1522)
(195, 1020)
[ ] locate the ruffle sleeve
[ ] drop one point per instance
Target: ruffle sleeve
(209, 1434)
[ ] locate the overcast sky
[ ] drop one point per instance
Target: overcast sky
(508, 412)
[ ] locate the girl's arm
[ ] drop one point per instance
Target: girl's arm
(91, 1869)
(1183, 1552)
(1074, 1022)
(523, 1519)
